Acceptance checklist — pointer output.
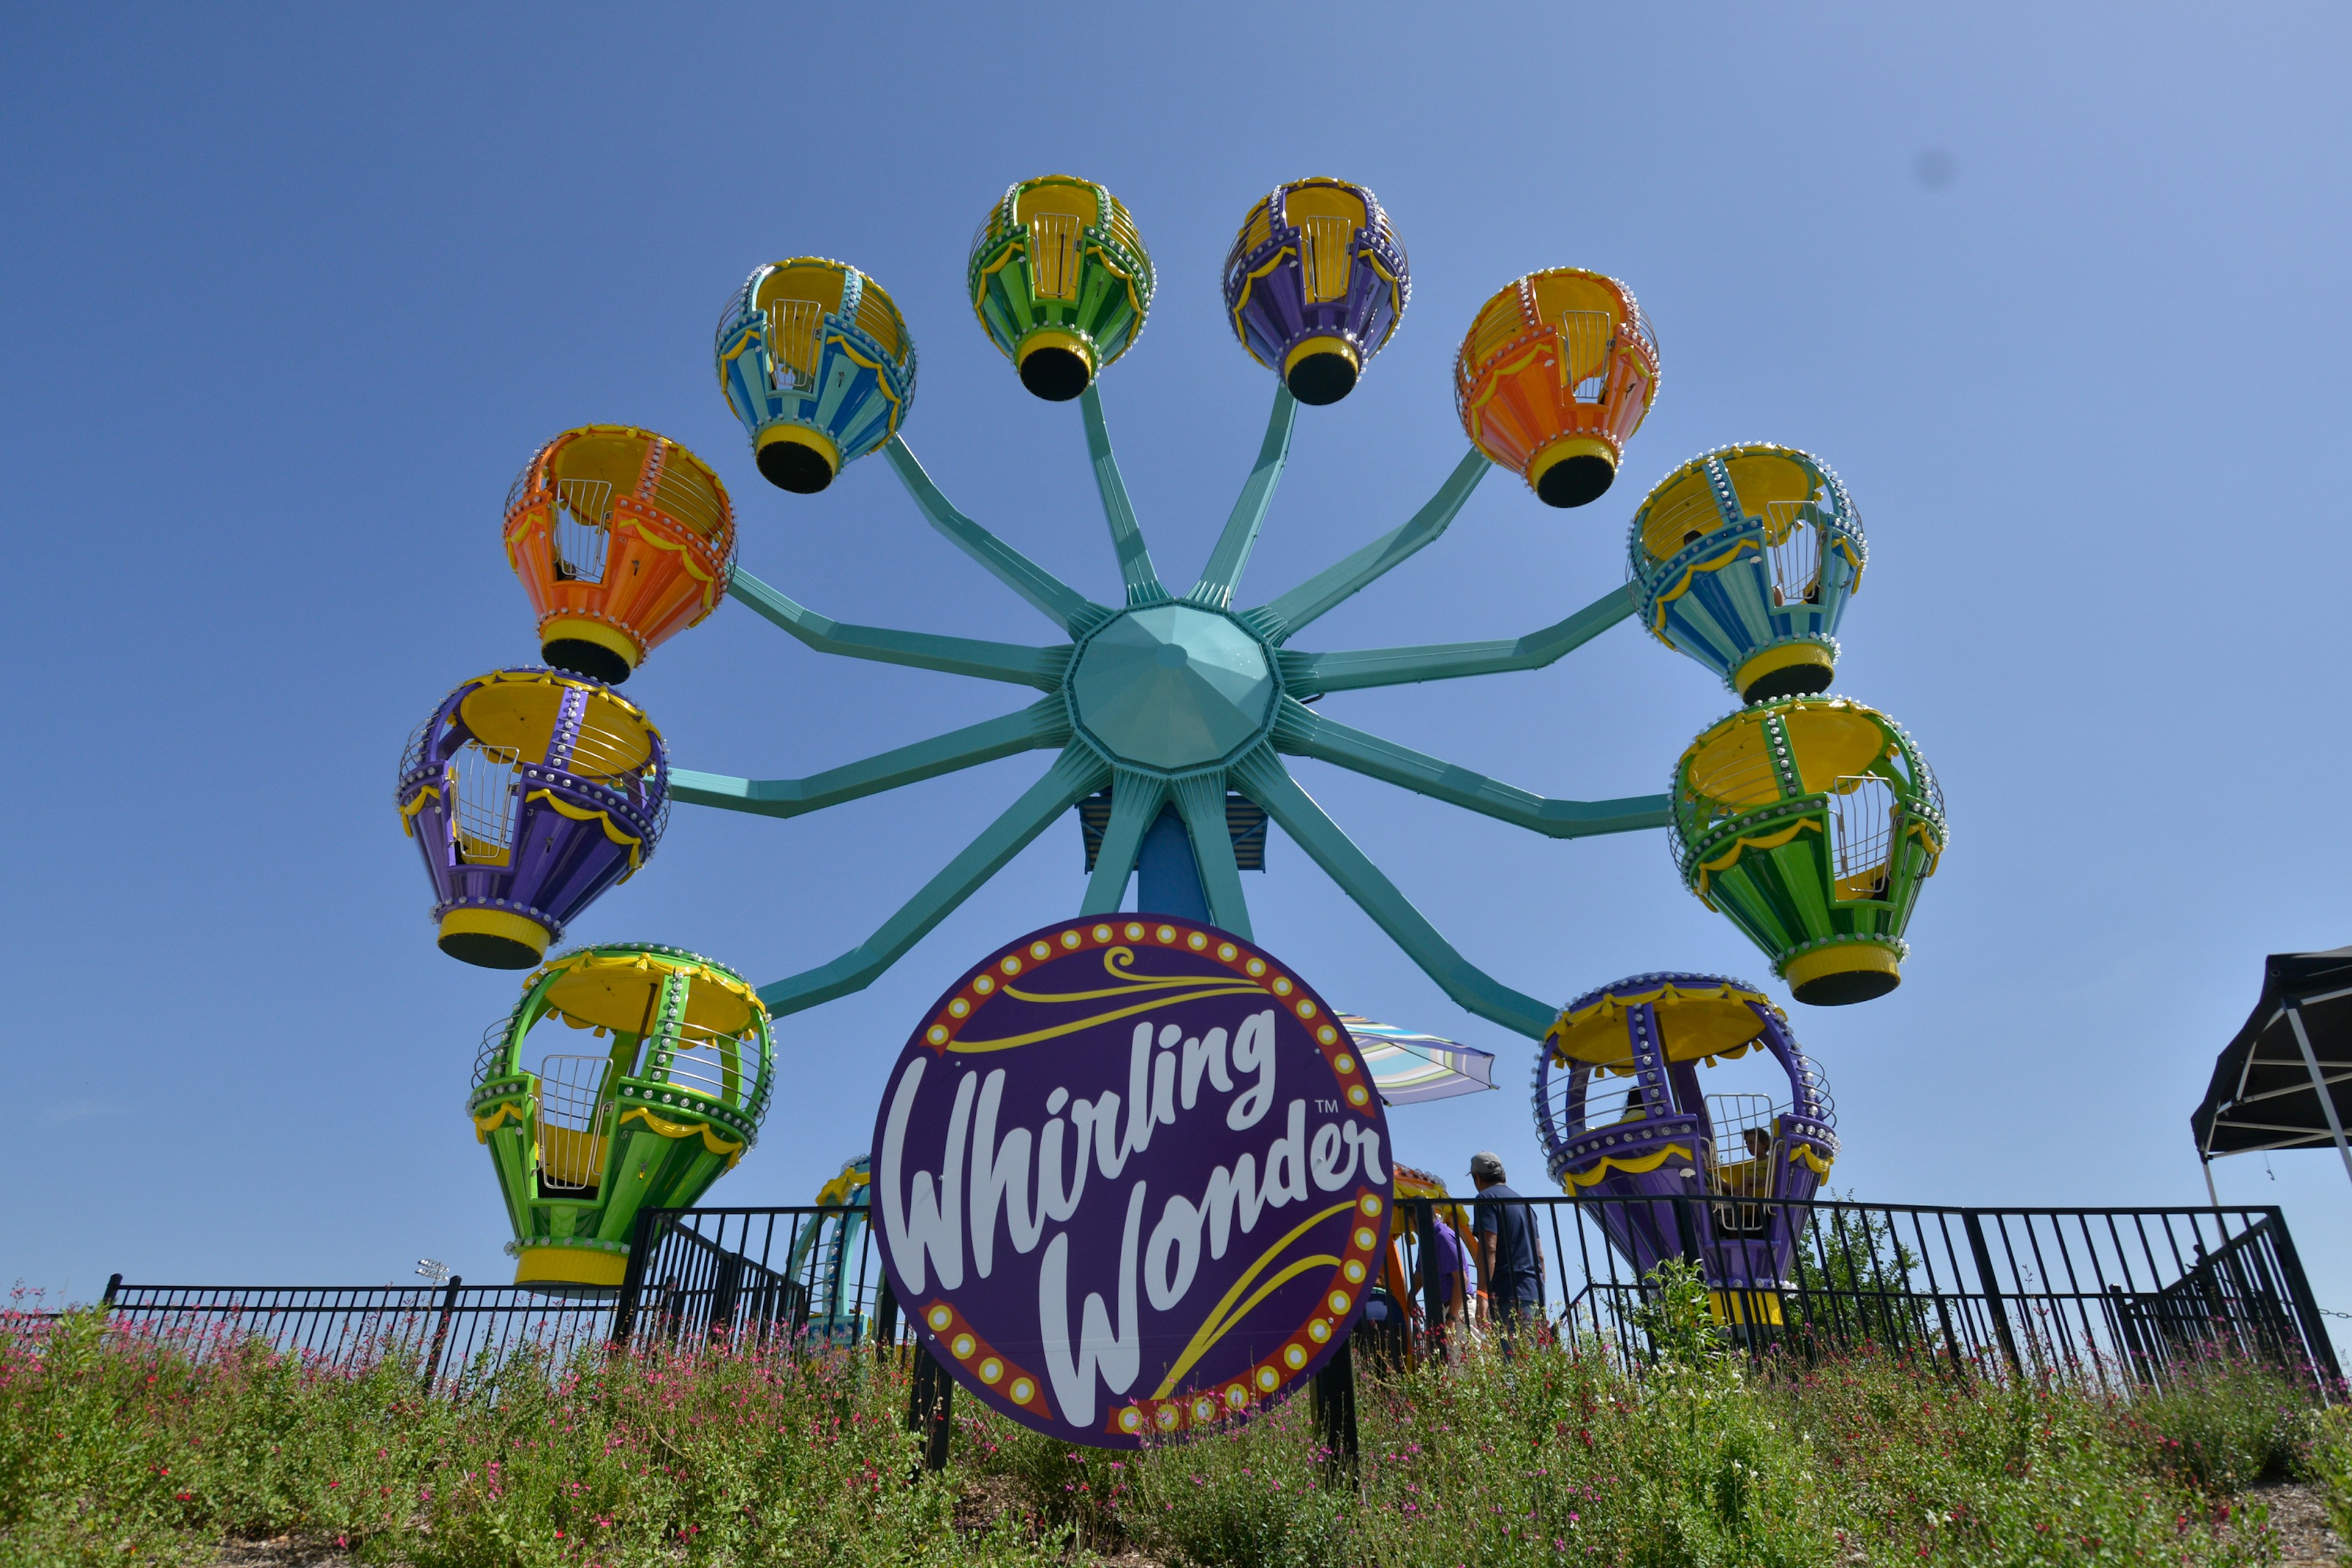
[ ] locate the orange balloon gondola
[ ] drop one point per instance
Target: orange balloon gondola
(1554, 377)
(620, 538)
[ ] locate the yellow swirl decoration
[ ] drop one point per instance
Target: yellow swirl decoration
(1640, 1165)
(710, 1139)
(1224, 1314)
(1156, 991)
(1805, 1151)
(1730, 857)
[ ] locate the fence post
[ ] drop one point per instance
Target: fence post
(1335, 1406)
(113, 1283)
(1687, 1233)
(930, 1407)
(632, 1280)
(1991, 1286)
(2306, 1306)
(725, 1295)
(441, 1330)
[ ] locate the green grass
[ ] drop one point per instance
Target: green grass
(112, 1452)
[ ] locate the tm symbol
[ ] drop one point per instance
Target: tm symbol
(1326, 1105)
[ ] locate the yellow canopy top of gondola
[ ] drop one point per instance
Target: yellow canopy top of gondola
(517, 709)
(1696, 1021)
(1830, 739)
(619, 990)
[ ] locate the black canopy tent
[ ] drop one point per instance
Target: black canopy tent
(2286, 1081)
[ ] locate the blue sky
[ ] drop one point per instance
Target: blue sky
(286, 298)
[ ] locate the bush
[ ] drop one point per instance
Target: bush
(113, 1449)
(2223, 1426)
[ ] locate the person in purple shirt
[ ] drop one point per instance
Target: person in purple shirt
(1452, 1297)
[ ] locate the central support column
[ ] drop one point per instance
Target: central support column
(1167, 882)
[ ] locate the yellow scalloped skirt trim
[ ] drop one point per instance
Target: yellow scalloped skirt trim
(1638, 1166)
(1690, 574)
(591, 814)
(486, 1125)
(408, 813)
(685, 559)
(1730, 857)
(1804, 1152)
(710, 1139)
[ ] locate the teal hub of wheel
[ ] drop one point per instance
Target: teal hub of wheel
(1172, 689)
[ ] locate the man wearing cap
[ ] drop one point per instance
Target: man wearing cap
(1511, 1255)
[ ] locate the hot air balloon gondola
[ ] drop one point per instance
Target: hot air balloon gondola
(1812, 823)
(818, 364)
(1744, 559)
(620, 538)
(1624, 1112)
(657, 1097)
(1315, 284)
(1060, 281)
(1555, 375)
(529, 793)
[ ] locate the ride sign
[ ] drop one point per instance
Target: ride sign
(1132, 1180)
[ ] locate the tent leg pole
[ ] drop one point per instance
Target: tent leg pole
(2206, 1162)
(2319, 1084)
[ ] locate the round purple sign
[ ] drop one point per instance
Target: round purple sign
(1132, 1180)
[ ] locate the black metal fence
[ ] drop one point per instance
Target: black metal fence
(2097, 1295)
(446, 1332)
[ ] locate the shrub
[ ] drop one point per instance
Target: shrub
(111, 1448)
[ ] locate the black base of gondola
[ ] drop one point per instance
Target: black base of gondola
(487, 952)
(581, 656)
(789, 466)
(1322, 379)
(1844, 990)
(1054, 374)
(1795, 680)
(1574, 481)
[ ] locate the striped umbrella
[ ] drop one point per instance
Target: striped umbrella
(1408, 1068)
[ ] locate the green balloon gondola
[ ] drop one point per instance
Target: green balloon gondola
(1060, 281)
(657, 1099)
(1744, 560)
(1812, 823)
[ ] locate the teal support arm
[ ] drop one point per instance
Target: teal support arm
(1041, 667)
(1309, 674)
(1074, 774)
(1261, 778)
(1061, 603)
(1302, 732)
(1200, 799)
(1135, 802)
(1223, 574)
(1039, 726)
(1279, 619)
(1135, 569)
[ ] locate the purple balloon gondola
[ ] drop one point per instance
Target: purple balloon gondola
(1624, 1113)
(529, 793)
(1315, 284)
